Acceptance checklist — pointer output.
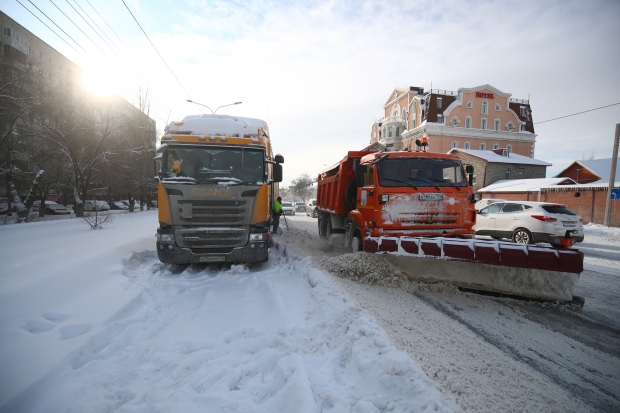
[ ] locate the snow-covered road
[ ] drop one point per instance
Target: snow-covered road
(91, 321)
(127, 333)
(500, 354)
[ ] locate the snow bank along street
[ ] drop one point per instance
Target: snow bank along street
(92, 321)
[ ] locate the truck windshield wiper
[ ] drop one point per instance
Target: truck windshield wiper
(429, 181)
(445, 181)
(402, 182)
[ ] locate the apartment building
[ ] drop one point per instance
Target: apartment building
(478, 118)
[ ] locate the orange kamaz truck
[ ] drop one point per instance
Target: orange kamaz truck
(394, 194)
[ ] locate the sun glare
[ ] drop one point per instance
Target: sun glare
(103, 79)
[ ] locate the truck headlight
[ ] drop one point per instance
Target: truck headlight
(259, 237)
(165, 238)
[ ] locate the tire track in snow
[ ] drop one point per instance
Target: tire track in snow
(595, 383)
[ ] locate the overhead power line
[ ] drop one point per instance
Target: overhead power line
(61, 38)
(79, 28)
(161, 57)
(578, 113)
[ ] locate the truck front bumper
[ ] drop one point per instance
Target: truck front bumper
(251, 252)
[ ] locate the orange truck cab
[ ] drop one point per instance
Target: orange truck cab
(394, 194)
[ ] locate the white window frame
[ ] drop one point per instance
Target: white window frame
(467, 122)
(509, 148)
(485, 107)
(523, 111)
(469, 105)
(455, 121)
(439, 103)
(483, 123)
(454, 144)
(497, 124)
(440, 118)
(498, 107)
(483, 146)
(466, 145)
(522, 127)
(510, 126)
(495, 146)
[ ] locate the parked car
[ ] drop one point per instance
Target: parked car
(528, 222)
(288, 208)
(300, 207)
(136, 204)
(37, 204)
(118, 205)
(486, 202)
(56, 209)
(96, 205)
(312, 209)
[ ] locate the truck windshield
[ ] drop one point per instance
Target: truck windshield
(194, 164)
(421, 172)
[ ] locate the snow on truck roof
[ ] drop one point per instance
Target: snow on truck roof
(217, 125)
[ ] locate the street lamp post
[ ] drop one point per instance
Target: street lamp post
(213, 111)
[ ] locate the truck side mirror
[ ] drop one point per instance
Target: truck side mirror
(277, 172)
(279, 158)
(469, 169)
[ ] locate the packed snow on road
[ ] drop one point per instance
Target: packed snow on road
(90, 320)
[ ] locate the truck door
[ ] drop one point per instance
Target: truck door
(366, 200)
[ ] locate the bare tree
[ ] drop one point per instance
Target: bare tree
(302, 186)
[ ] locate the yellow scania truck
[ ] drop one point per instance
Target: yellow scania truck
(217, 181)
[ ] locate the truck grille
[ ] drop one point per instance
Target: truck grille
(209, 238)
(430, 219)
(222, 223)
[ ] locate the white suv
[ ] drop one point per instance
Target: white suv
(529, 222)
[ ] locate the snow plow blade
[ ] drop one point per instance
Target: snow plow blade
(531, 271)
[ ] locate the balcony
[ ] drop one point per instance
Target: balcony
(392, 120)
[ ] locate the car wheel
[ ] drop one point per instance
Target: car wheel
(522, 236)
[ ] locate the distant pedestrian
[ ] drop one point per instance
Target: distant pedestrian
(277, 211)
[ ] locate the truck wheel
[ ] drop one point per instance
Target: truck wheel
(322, 226)
(356, 242)
(328, 227)
(522, 236)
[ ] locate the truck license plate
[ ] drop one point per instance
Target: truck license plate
(431, 197)
(212, 258)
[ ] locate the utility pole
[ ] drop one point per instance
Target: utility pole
(612, 175)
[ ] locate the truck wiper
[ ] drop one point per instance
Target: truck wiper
(402, 182)
(429, 181)
(446, 181)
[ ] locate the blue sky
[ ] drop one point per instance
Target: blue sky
(320, 71)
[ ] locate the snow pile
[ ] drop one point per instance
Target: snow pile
(374, 269)
(365, 268)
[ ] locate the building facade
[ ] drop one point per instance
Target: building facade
(479, 118)
(31, 70)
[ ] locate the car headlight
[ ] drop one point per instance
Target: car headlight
(165, 238)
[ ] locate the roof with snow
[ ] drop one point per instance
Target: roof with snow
(492, 157)
(217, 125)
(526, 185)
(599, 167)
